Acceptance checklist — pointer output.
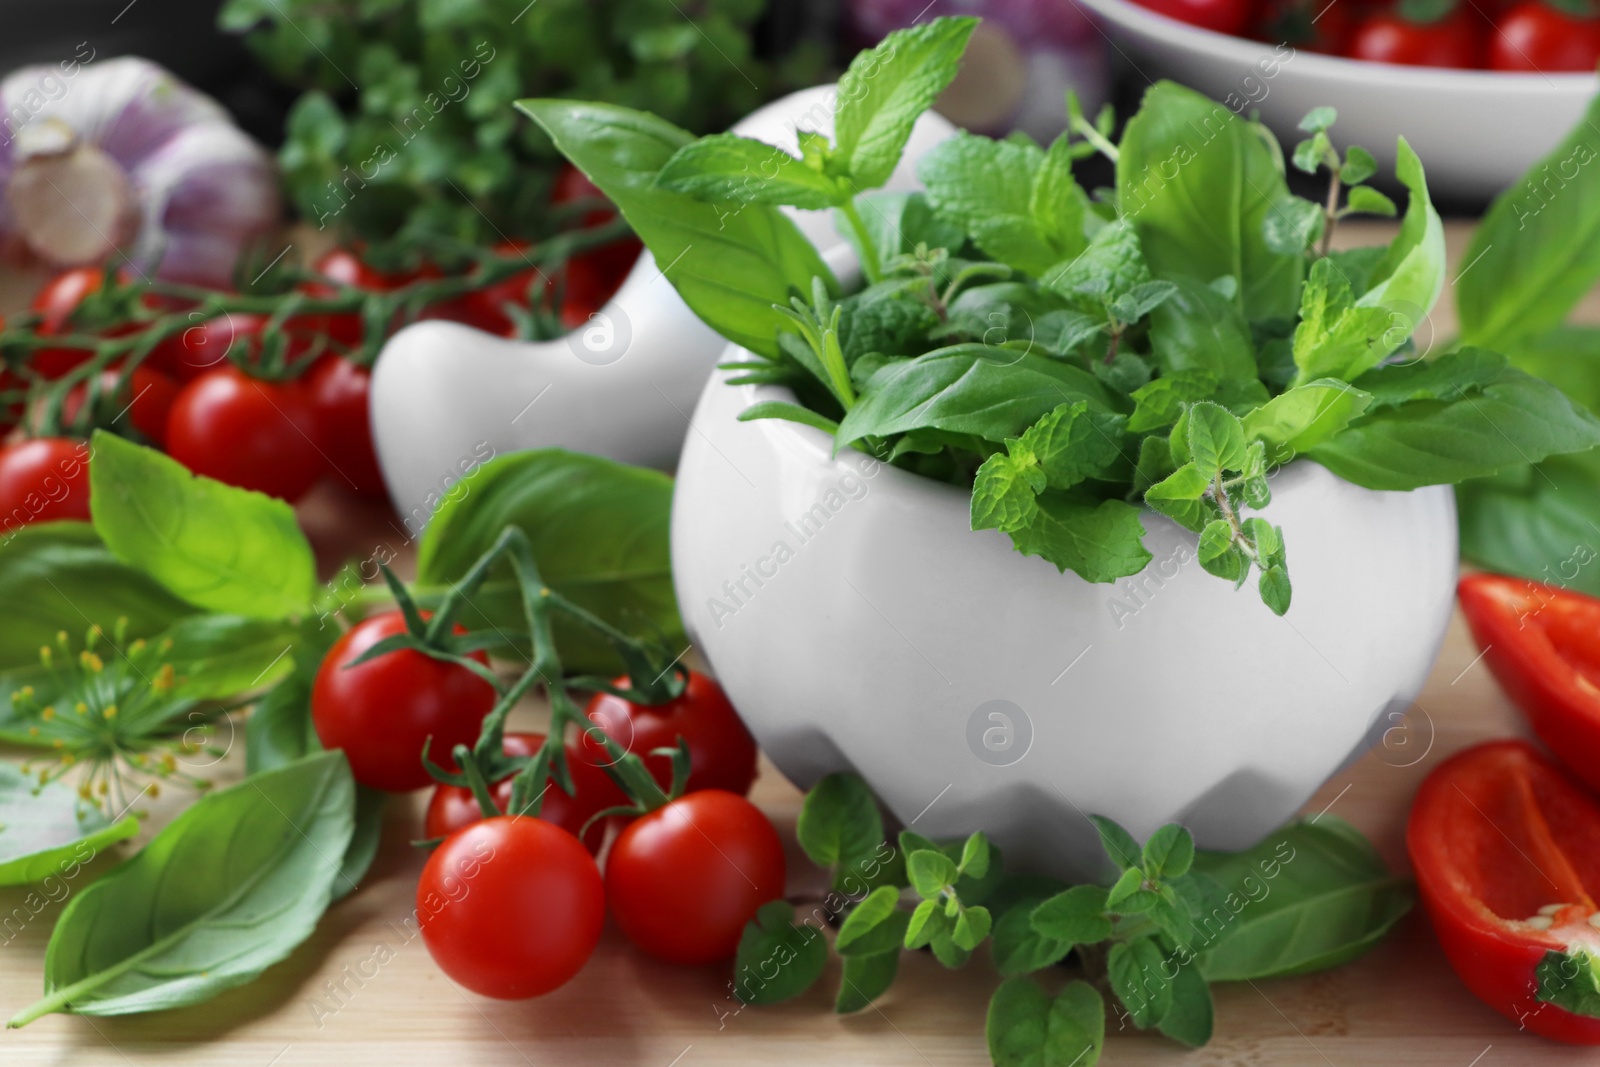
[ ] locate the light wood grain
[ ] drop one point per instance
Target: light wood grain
(333, 1002)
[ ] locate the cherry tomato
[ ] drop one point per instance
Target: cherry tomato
(1221, 16)
(1543, 645)
(246, 432)
(683, 880)
(56, 302)
(572, 185)
(1309, 25)
(207, 345)
(144, 400)
(453, 806)
(511, 907)
(1507, 855)
(722, 754)
(1386, 37)
(384, 711)
(11, 412)
(347, 268)
(1534, 36)
(43, 479)
(338, 390)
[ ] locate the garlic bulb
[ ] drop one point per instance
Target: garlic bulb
(121, 156)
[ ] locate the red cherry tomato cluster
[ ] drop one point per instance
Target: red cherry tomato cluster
(1529, 36)
(205, 395)
(512, 906)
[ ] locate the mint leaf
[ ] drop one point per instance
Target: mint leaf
(1057, 202)
(772, 943)
(1294, 226)
(727, 168)
(1075, 916)
(1073, 443)
(1005, 491)
(1216, 438)
(1305, 416)
(220, 548)
(987, 187)
(1169, 852)
(864, 979)
(887, 88)
(1336, 338)
(1158, 405)
(1112, 265)
(839, 821)
(1026, 1028)
(1101, 541)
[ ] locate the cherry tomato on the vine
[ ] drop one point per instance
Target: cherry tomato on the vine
(683, 880)
(144, 399)
(43, 479)
(1388, 37)
(247, 432)
(55, 303)
(511, 907)
(722, 754)
(338, 390)
(382, 712)
(454, 806)
(208, 344)
(1533, 36)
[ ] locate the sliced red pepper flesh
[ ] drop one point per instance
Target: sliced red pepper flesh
(1507, 854)
(1543, 645)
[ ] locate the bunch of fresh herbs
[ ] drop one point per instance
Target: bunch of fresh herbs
(1079, 358)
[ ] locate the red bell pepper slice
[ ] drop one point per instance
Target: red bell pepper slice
(1543, 645)
(1506, 848)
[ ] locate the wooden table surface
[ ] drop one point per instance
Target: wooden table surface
(364, 991)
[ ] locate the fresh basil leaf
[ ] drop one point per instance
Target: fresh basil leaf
(1019, 948)
(1570, 980)
(1515, 419)
(1305, 416)
(1075, 916)
(45, 831)
(839, 821)
(364, 841)
(1197, 329)
(887, 88)
(1365, 200)
(778, 409)
(219, 548)
(1100, 541)
(1450, 377)
(1535, 255)
(58, 576)
(1408, 279)
(875, 925)
(1169, 852)
(1567, 357)
(731, 265)
(795, 954)
(1294, 225)
(864, 979)
(1310, 896)
(1535, 521)
(598, 529)
(1189, 1019)
(1199, 183)
(1134, 971)
(1025, 1027)
(994, 393)
(217, 656)
(728, 169)
(254, 878)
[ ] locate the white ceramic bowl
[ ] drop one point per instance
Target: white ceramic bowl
(1476, 131)
(858, 623)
